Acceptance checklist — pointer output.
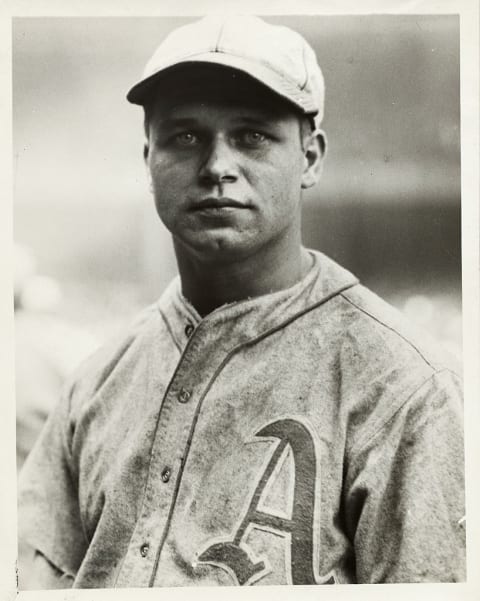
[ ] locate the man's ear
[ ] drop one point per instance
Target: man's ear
(146, 152)
(314, 150)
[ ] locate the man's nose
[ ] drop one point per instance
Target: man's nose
(219, 163)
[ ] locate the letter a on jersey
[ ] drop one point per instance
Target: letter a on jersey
(238, 560)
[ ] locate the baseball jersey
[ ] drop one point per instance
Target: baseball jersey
(307, 436)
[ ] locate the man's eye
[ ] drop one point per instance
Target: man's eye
(253, 138)
(186, 139)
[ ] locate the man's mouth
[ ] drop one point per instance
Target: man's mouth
(213, 204)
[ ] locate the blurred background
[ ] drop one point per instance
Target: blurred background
(90, 249)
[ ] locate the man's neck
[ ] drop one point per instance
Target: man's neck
(210, 284)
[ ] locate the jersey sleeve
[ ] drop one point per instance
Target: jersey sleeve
(405, 493)
(49, 520)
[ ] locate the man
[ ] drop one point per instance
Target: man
(269, 420)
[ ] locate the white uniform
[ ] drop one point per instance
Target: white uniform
(306, 436)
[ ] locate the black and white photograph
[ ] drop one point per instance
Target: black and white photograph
(244, 299)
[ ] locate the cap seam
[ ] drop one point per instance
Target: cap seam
(305, 68)
(246, 57)
(222, 27)
(180, 58)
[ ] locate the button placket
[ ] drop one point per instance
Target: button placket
(178, 408)
(170, 445)
(159, 492)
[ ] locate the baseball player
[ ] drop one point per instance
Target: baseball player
(269, 420)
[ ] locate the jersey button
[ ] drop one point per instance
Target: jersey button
(144, 550)
(189, 330)
(184, 395)
(166, 473)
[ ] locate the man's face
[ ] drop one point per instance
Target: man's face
(227, 164)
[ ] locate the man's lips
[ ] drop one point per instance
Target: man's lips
(213, 203)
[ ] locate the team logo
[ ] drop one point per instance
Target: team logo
(300, 528)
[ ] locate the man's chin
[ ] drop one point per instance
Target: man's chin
(217, 247)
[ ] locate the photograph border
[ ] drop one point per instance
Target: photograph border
(469, 94)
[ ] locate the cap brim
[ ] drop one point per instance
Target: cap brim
(288, 90)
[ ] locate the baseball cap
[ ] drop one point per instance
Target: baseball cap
(274, 55)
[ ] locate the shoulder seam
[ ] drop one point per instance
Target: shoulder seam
(383, 423)
(392, 329)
